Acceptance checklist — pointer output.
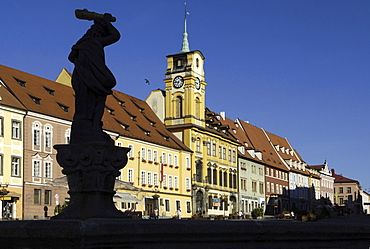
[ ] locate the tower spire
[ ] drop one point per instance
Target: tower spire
(185, 43)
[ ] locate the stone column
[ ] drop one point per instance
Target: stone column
(91, 170)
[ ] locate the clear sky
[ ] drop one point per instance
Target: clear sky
(297, 68)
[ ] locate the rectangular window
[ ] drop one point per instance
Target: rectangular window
(131, 152)
(220, 152)
(187, 163)
(167, 205)
(272, 188)
(254, 186)
(348, 189)
(155, 156)
(234, 156)
(188, 207)
(1, 164)
(341, 201)
(176, 182)
(208, 148)
(170, 182)
(143, 174)
(143, 153)
(170, 159)
(36, 137)
(178, 204)
(341, 190)
(164, 183)
(16, 129)
(261, 188)
(48, 141)
(37, 196)
(164, 159)
(229, 154)
(16, 166)
(187, 183)
(268, 187)
(1, 126)
(149, 178)
(214, 149)
(48, 170)
(130, 175)
(155, 179)
(175, 161)
(47, 197)
(150, 155)
(37, 168)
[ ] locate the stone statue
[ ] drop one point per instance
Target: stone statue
(92, 80)
(91, 161)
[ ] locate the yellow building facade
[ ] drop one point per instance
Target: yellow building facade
(214, 161)
(162, 176)
(11, 156)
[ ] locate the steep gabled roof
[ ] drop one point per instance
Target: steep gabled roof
(261, 143)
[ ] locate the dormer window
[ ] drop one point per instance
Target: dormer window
(35, 99)
(164, 136)
(152, 123)
(146, 132)
(120, 102)
(133, 117)
(51, 92)
(64, 107)
(124, 126)
(22, 83)
(110, 110)
(141, 109)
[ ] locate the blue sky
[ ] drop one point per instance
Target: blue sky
(299, 69)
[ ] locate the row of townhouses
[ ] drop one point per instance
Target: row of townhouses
(183, 155)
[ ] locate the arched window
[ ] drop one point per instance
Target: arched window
(178, 107)
(199, 169)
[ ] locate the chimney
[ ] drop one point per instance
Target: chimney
(223, 114)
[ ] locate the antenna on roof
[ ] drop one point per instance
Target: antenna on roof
(185, 43)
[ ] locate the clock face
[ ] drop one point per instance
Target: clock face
(178, 82)
(197, 83)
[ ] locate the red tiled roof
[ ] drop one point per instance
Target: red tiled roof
(35, 96)
(260, 143)
(340, 178)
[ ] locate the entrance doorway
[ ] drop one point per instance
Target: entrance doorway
(199, 203)
(149, 206)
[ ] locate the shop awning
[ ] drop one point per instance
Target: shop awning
(125, 197)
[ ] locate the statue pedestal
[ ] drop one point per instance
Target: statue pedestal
(91, 170)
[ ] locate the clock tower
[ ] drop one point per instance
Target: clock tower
(185, 87)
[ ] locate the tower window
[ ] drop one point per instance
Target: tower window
(178, 107)
(197, 107)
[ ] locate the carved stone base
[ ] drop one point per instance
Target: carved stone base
(91, 170)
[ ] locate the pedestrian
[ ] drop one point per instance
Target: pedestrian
(156, 214)
(178, 213)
